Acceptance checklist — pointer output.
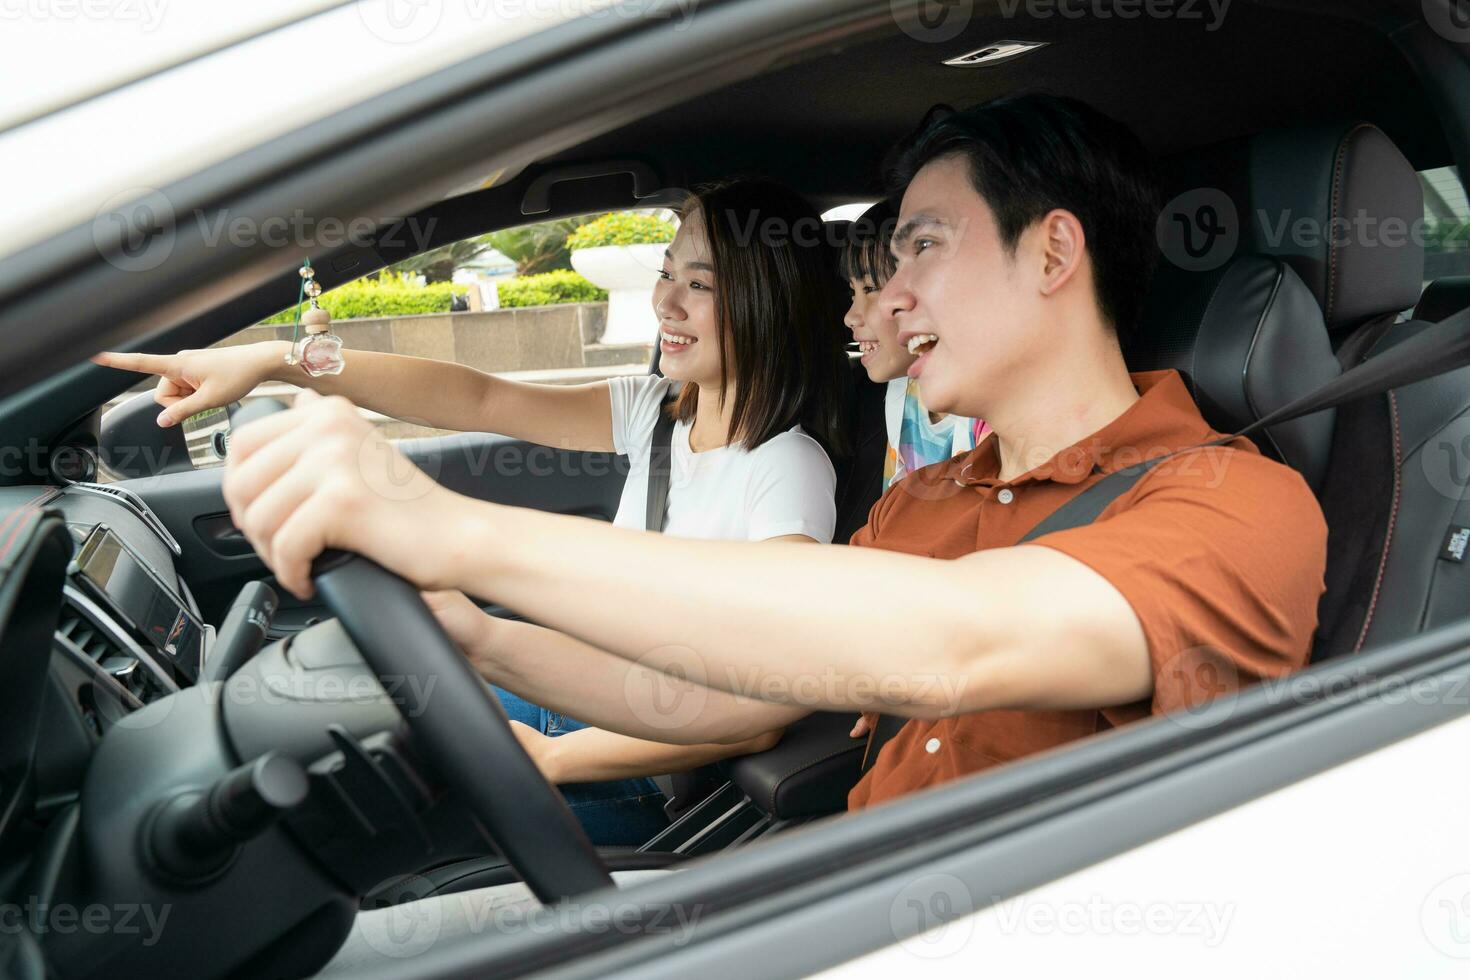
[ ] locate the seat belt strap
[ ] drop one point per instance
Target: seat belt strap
(1438, 349)
(660, 467)
(681, 789)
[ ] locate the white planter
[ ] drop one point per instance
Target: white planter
(628, 273)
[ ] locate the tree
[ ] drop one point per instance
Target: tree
(539, 247)
(533, 248)
(439, 265)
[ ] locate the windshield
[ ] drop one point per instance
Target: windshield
(54, 52)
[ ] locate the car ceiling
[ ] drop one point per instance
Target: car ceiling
(824, 123)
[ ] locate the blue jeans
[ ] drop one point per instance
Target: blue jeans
(616, 813)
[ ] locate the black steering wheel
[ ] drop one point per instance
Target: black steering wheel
(457, 722)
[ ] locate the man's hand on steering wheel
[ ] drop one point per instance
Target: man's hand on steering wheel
(320, 476)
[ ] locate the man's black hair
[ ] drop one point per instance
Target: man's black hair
(1030, 154)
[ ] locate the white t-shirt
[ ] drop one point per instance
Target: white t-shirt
(783, 486)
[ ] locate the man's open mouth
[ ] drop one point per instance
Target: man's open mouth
(923, 343)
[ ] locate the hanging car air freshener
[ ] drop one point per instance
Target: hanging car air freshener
(320, 351)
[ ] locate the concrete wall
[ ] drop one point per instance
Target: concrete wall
(536, 338)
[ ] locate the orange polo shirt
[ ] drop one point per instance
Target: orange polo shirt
(1220, 552)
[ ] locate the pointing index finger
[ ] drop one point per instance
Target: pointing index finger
(160, 364)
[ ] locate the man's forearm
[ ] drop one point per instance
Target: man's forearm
(734, 617)
(576, 679)
(918, 637)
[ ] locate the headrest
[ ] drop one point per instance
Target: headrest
(1345, 208)
(1248, 338)
(1443, 299)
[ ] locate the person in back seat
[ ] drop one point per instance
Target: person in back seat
(916, 436)
(1024, 246)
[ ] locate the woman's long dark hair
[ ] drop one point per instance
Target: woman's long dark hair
(780, 308)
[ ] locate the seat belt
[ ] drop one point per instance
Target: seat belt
(683, 789)
(1439, 349)
(660, 468)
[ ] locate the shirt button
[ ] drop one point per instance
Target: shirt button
(931, 746)
(1005, 496)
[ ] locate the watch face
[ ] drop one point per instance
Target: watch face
(205, 435)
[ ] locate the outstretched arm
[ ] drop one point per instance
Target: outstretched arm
(440, 394)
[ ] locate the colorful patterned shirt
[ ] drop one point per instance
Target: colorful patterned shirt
(913, 440)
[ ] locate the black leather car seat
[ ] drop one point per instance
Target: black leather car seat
(1443, 298)
(1396, 495)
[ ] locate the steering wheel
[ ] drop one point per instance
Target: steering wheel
(460, 726)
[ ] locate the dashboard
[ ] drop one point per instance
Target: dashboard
(129, 632)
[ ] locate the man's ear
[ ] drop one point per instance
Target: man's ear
(1063, 249)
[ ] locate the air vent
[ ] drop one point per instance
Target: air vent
(84, 631)
(78, 630)
(134, 503)
(994, 54)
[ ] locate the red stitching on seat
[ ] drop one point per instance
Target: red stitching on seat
(23, 512)
(1338, 167)
(1393, 514)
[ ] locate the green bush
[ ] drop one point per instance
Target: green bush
(385, 296)
(621, 228)
(546, 288)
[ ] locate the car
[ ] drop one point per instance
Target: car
(194, 782)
